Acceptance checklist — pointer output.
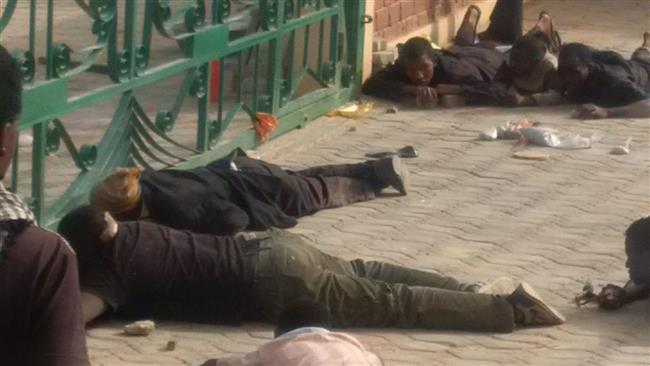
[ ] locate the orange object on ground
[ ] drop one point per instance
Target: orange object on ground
(265, 124)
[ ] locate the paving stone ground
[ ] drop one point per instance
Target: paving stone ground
(476, 213)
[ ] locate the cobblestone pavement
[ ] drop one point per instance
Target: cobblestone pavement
(475, 213)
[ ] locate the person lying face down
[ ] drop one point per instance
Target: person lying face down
(421, 73)
(158, 271)
(530, 76)
(637, 249)
(607, 85)
(479, 72)
(218, 199)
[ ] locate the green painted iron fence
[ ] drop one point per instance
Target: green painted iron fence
(176, 82)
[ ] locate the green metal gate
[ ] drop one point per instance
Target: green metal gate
(295, 59)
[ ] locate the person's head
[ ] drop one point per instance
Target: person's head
(637, 248)
(119, 193)
(418, 59)
(302, 313)
(527, 52)
(574, 67)
(10, 107)
(86, 228)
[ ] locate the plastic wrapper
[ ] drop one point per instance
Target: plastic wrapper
(265, 124)
(549, 137)
(352, 110)
(509, 131)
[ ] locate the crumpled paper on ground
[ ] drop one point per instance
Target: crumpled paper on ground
(354, 110)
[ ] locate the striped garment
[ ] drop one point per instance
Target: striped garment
(13, 207)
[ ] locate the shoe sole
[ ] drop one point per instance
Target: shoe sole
(530, 295)
(401, 184)
(500, 286)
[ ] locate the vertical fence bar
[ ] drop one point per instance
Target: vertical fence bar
(355, 11)
(203, 103)
(32, 27)
(321, 32)
(334, 46)
(290, 54)
(49, 72)
(240, 76)
(305, 48)
(221, 95)
(276, 60)
(40, 130)
(215, 11)
(130, 29)
(256, 68)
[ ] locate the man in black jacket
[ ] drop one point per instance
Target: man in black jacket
(607, 85)
(637, 248)
(231, 195)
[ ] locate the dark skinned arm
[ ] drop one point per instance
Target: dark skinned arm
(613, 297)
(640, 109)
(92, 306)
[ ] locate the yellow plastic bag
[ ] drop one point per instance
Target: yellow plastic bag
(353, 110)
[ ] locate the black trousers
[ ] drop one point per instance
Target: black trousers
(507, 21)
(304, 192)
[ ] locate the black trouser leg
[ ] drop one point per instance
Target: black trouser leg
(360, 170)
(366, 171)
(641, 54)
(302, 195)
(506, 21)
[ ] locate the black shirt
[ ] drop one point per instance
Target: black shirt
(615, 81)
(155, 270)
(461, 65)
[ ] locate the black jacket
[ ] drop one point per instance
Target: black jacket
(214, 199)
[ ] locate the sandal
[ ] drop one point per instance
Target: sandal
(461, 35)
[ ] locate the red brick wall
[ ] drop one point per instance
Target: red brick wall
(394, 18)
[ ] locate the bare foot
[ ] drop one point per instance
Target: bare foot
(472, 16)
(544, 23)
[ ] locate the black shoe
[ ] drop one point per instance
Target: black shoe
(407, 151)
(394, 173)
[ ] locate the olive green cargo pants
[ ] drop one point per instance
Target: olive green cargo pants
(371, 294)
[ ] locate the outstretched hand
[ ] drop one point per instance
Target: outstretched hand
(425, 96)
(590, 111)
(611, 297)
